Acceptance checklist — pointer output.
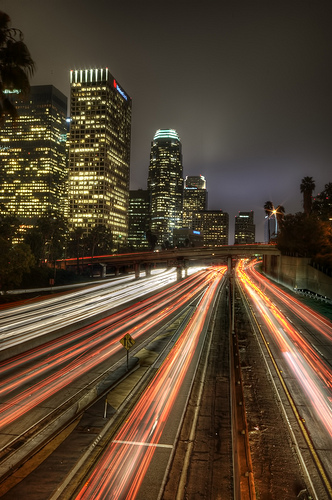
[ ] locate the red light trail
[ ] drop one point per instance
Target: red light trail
(74, 361)
(312, 372)
(120, 472)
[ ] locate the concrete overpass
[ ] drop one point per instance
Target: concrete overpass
(179, 257)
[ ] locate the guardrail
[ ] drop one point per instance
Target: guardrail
(304, 292)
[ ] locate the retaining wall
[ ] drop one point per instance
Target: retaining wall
(296, 272)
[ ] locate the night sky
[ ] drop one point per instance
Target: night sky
(247, 85)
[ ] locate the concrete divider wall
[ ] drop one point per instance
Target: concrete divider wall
(296, 272)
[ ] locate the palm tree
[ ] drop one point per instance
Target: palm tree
(16, 66)
(307, 186)
(268, 207)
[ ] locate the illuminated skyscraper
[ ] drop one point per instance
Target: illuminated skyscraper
(139, 205)
(165, 185)
(244, 228)
(33, 175)
(194, 197)
(214, 225)
(99, 153)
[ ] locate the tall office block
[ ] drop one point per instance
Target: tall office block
(214, 225)
(33, 175)
(244, 228)
(139, 207)
(99, 153)
(270, 227)
(165, 185)
(194, 198)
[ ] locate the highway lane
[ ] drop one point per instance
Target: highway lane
(33, 320)
(28, 407)
(53, 354)
(307, 314)
(134, 464)
(301, 344)
(41, 372)
(313, 335)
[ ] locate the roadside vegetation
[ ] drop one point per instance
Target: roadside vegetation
(309, 233)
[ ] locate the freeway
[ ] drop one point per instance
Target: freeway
(37, 383)
(123, 470)
(299, 341)
(32, 320)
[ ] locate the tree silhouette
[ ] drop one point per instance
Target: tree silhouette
(307, 186)
(304, 236)
(322, 204)
(15, 260)
(99, 240)
(76, 245)
(152, 239)
(53, 229)
(9, 227)
(16, 66)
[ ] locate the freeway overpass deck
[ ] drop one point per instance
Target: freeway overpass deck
(207, 254)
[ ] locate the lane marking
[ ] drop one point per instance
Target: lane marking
(139, 443)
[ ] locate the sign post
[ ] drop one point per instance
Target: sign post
(127, 341)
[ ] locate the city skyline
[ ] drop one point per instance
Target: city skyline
(246, 87)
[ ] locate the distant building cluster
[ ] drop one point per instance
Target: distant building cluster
(79, 166)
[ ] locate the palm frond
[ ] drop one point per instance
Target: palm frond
(17, 54)
(15, 78)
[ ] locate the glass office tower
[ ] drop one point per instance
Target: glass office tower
(139, 207)
(165, 185)
(244, 228)
(194, 198)
(214, 225)
(99, 153)
(34, 175)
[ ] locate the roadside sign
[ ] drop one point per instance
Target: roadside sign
(127, 341)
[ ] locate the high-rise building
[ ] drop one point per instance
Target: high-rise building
(270, 227)
(186, 237)
(244, 228)
(34, 175)
(139, 205)
(194, 198)
(214, 225)
(165, 185)
(99, 153)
